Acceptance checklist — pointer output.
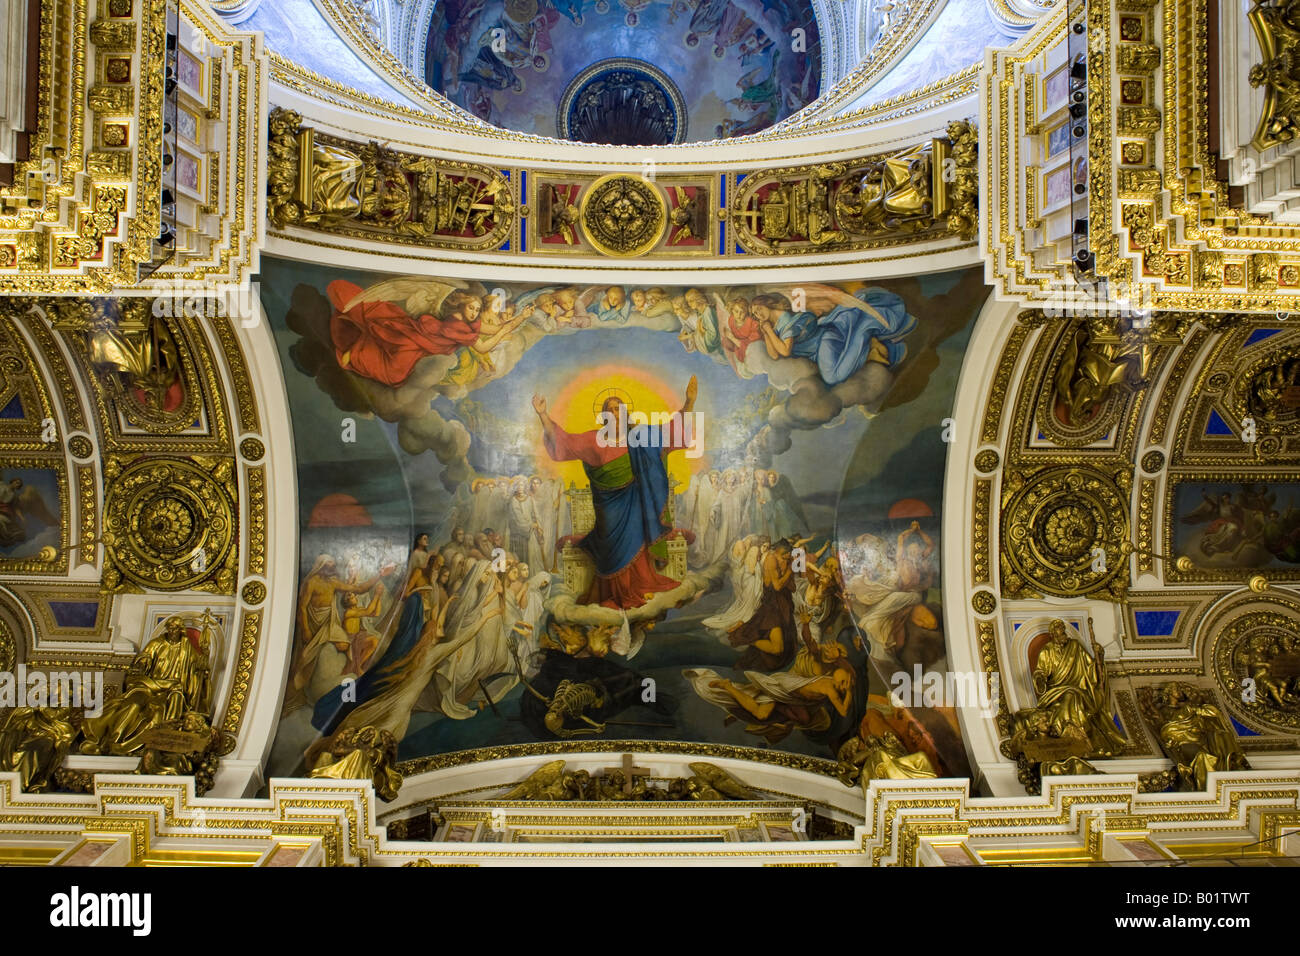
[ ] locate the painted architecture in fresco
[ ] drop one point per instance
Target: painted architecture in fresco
(622, 512)
(736, 66)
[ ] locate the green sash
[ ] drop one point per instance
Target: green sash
(613, 474)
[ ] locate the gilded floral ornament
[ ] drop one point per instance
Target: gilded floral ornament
(170, 525)
(1065, 532)
(623, 215)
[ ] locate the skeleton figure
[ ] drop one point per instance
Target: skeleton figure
(571, 701)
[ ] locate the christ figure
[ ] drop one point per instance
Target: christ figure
(629, 491)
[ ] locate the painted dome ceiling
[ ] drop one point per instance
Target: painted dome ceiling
(630, 72)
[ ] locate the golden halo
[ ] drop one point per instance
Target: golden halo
(605, 394)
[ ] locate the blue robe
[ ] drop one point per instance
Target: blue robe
(839, 342)
(332, 708)
(627, 518)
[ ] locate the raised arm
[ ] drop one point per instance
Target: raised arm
(548, 426)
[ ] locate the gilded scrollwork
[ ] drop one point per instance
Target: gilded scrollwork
(1276, 24)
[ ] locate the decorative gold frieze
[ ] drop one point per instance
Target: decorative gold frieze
(370, 191)
(924, 191)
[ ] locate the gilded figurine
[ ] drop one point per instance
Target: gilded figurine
(168, 679)
(1193, 732)
(1073, 690)
(34, 741)
(1090, 370)
(184, 747)
(881, 757)
(362, 753)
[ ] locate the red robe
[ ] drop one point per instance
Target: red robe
(745, 333)
(380, 341)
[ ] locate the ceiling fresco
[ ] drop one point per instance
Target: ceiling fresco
(635, 72)
(471, 545)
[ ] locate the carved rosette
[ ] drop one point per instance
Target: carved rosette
(623, 215)
(1065, 531)
(1257, 664)
(169, 525)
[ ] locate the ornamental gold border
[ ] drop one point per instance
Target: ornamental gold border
(537, 179)
(460, 758)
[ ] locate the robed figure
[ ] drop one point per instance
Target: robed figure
(629, 491)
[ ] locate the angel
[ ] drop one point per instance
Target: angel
(557, 307)
(378, 339)
(688, 218)
(23, 512)
(851, 331)
(739, 331)
(608, 303)
(699, 331)
(497, 320)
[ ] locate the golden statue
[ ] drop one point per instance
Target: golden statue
(362, 753)
(891, 194)
(167, 680)
(547, 782)
(33, 742)
(1073, 692)
(720, 785)
(881, 757)
(309, 184)
(1193, 732)
(1089, 370)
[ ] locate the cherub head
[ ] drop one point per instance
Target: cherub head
(615, 296)
(566, 298)
(638, 297)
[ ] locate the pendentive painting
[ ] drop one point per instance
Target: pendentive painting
(533, 514)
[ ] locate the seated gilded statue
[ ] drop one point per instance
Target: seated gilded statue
(1073, 692)
(33, 742)
(168, 679)
(1193, 732)
(361, 753)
